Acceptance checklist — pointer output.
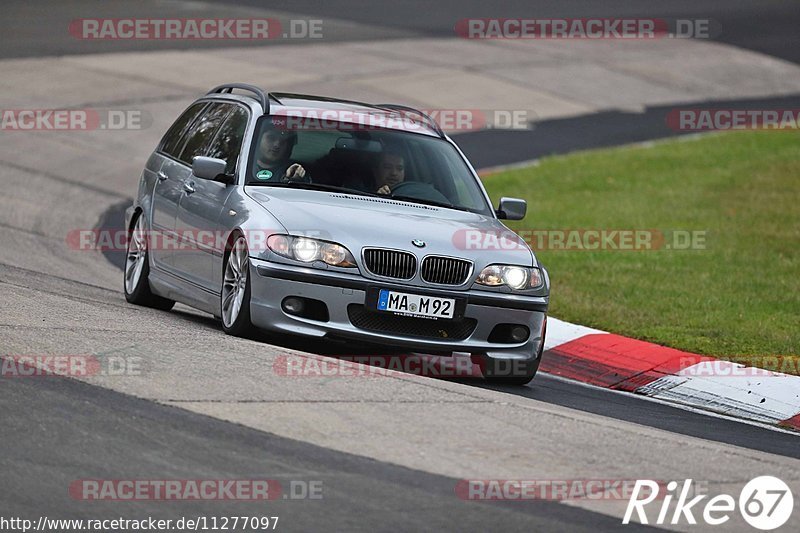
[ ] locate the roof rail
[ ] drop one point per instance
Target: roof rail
(432, 123)
(313, 98)
(263, 97)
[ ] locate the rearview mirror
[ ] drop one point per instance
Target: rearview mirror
(210, 168)
(512, 208)
(354, 143)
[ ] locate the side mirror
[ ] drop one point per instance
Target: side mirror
(512, 208)
(210, 168)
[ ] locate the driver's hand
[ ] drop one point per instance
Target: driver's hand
(295, 172)
(384, 190)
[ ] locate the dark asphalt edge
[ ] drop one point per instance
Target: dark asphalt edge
(606, 129)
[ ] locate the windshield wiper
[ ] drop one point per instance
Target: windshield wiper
(313, 187)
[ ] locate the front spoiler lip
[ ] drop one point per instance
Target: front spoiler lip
(349, 281)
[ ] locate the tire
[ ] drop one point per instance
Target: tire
(137, 271)
(234, 298)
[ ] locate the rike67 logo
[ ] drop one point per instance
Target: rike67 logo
(765, 502)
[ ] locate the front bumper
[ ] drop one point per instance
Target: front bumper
(272, 282)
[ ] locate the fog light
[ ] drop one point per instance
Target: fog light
(293, 306)
(519, 333)
(305, 308)
(509, 334)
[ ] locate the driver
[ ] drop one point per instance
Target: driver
(273, 161)
(390, 172)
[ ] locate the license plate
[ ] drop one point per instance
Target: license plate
(416, 304)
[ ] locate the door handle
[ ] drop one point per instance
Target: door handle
(162, 176)
(188, 186)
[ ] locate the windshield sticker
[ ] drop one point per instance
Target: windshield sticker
(264, 174)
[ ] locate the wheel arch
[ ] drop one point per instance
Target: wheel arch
(232, 236)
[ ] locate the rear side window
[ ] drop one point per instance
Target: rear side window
(202, 131)
(173, 140)
(228, 142)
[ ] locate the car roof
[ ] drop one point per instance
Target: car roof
(391, 116)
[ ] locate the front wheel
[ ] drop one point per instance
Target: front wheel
(235, 295)
(137, 270)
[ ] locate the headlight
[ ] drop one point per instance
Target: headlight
(305, 250)
(516, 277)
(310, 250)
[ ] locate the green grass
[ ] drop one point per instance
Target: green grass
(739, 297)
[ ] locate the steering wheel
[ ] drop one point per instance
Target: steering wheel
(403, 186)
(420, 190)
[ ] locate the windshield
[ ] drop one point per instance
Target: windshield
(371, 161)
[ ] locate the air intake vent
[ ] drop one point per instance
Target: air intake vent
(458, 329)
(445, 270)
(384, 201)
(390, 263)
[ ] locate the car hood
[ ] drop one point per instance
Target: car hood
(364, 221)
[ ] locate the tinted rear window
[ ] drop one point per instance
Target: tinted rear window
(228, 142)
(202, 131)
(173, 140)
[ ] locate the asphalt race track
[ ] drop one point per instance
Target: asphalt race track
(138, 438)
(387, 451)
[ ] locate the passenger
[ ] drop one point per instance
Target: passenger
(273, 162)
(390, 172)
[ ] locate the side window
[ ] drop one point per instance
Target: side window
(202, 131)
(228, 142)
(173, 140)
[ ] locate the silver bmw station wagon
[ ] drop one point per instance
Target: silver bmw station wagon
(334, 219)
